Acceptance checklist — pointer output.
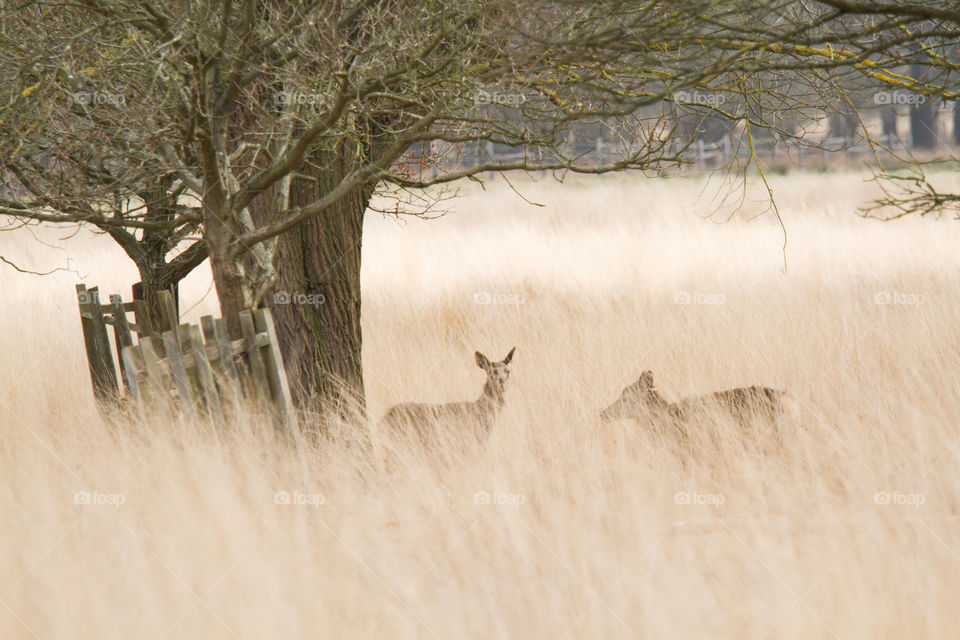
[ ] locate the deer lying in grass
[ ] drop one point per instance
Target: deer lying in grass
(744, 404)
(428, 421)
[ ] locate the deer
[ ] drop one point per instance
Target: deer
(744, 404)
(476, 417)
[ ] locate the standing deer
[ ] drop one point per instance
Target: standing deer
(476, 417)
(744, 404)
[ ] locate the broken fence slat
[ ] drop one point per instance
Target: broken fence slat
(205, 376)
(156, 381)
(144, 328)
(179, 373)
(258, 371)
(170, 316)
(97, 344)
(121, 332)
(131, 369)
(226, 352)
(276, 374)
(209, 332)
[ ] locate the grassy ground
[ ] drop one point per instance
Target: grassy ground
(563, 526)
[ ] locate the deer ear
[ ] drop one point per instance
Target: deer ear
(482, 361)
(509, 356)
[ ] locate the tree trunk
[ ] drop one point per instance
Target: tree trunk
(956, 122)
(843, 124)
(230, 287)
(923, 126)
(316, 299)
(923, 117)
(152, 282)
(227, 274)
(149, 253)
(888, 118)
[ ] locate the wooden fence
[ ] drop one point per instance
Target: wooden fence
(181, 368)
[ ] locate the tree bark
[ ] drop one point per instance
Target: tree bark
(923, 118)
(888, 119)
(149, 253)
(152, 282)
(316, 299)
(229, 284)
(923, 126)
(956, 122)
(224, 264)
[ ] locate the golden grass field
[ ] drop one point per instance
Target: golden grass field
(851, 529)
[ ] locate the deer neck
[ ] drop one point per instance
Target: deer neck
(492, 397)
(657, 401)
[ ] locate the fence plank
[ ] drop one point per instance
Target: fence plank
(205, 377)
(170, 316)
(97, 344)
(156, 382)
(258, 371)
(276, 374)
(172, 346)
(226, 352)
(121, 332)
(230, 377)
(183, 337)
(103, 342)
(144, 326)
(132, 358)
(209, 335)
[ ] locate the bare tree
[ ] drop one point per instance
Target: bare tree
(275, 123)
(65, 157)
(285, 118)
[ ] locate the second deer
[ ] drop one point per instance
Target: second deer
(744, 404)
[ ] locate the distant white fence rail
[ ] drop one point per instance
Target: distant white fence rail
(701, 153)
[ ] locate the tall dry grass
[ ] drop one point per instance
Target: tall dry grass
(562, 526)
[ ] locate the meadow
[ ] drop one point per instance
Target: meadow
(562, 526)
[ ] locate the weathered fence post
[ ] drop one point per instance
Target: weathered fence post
(121, 331)
(205, 376)
(276, 374)
(97, 344)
